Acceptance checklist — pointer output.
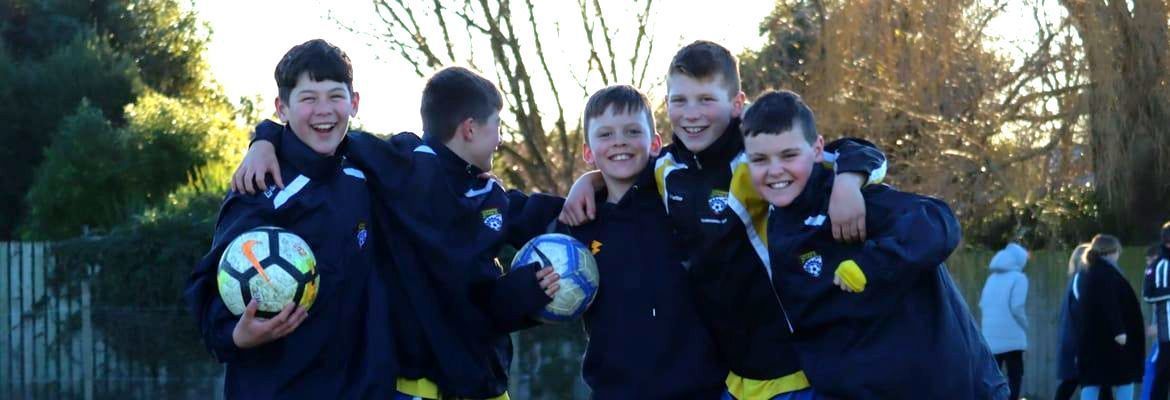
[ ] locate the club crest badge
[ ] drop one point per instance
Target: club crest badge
(812, 263)
(717, 201)
(362, 234)
(493, 219)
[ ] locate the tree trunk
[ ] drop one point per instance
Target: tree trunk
(1129, 111)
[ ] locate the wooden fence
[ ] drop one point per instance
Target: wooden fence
(1047, 281)
(50, 349)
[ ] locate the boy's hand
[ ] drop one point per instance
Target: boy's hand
(847, 208)
(251, 331)
(580, 206)
(259, 162)
(548, 281)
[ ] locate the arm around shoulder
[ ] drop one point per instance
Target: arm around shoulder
(918, 238)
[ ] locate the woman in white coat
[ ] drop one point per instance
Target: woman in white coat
(1005, 324)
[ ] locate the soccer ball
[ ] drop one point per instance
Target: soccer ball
(269, 264)
(576, 266)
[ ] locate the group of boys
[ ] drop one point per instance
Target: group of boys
(745, 260)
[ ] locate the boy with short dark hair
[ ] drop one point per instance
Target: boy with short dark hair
(718, 220)
(456, 306)
(880, 319)
(644, 287)
(294, 355)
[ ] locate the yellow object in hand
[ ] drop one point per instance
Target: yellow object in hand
(849, 273)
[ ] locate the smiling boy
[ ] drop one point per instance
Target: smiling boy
(876, 320)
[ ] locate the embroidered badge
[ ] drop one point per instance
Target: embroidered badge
(362, 234)
(717, 201)
(595, 247)
(493, 219)
(812, 263)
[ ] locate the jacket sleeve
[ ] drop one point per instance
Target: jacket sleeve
(1157, 283)
(513, 298)
(385, 163)
(1018, 300)
(238, 214)
(530, 215)
(857, 156)
(268, 131)
(921, 235)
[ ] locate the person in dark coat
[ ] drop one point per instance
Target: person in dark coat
(1111, 349)
(1070, 325)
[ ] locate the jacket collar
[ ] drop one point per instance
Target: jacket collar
(815, 196)
(720, 152)
(307, 161)
(451, 161)
(643, 191)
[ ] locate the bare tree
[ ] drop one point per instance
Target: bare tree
(920, 79)
(1126, 48)
(511, 40)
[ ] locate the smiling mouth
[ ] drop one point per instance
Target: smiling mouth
(324, 127)
(779, 185)
(621, 157)
(693, 130)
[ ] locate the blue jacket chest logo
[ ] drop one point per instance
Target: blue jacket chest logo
(812, 263)
(362, 234)
(493, 219)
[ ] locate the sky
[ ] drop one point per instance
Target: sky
(249, 37)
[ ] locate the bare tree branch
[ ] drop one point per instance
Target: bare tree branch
(597, 11)
(566, 151)
(638, 46)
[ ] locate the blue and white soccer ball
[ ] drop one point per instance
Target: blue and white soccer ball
(574, 263)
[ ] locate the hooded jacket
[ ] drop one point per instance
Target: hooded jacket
(908, 334)
(1005, 322)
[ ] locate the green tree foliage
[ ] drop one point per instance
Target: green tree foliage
(109, 52)
(40, 94)
(96, 175)
(85, 145)
(165, 40)
(112, 124)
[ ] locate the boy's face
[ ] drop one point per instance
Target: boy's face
(318, 112)
(483, 140)
(620, 145)
(700, 109)
(780, 164)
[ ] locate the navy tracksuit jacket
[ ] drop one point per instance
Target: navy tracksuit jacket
(646, 339)
(718, 218)
(338, 352)
(908, 334)
(454, 304)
